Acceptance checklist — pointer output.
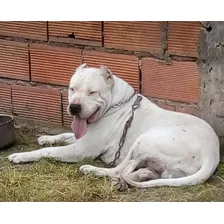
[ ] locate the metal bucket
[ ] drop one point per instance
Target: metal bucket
(7, 131)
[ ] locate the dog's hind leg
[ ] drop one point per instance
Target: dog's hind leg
(142, 174)
(127, 166)
(65, 138)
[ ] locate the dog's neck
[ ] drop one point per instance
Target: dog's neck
(121, 91)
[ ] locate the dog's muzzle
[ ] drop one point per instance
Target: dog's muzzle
(75, 109)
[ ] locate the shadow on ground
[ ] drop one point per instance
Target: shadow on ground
(53, 181)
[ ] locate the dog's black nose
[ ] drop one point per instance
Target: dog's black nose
(75, 109)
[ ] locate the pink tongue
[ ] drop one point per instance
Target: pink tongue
(79, 127)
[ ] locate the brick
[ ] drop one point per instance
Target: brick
(84, 33)
(67, 120)
(36, 103)
(14, 60)
(54, 65)
(5, 99)
(124, 66)
(136, 36)
(186, 110)
(178, 82)
(183, 38)
(27, 29)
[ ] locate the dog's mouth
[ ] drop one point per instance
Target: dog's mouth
(80, 125)
(91, 119)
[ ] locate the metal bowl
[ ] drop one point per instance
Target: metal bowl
(7, 131)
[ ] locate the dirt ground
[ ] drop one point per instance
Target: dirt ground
(54, 181)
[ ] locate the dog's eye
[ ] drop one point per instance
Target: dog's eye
(92, 92)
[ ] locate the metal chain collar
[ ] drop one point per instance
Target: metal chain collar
(122, 102)
(127, 125)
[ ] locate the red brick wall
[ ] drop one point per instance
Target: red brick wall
(37, 59)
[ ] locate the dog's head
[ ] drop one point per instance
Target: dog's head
(89, 96)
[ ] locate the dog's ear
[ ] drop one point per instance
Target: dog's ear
(82, 67)
(107, 74)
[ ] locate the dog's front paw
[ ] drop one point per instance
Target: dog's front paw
(119, 183)
(18, 157)
(46, 139)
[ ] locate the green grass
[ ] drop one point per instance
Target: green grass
(53, 181)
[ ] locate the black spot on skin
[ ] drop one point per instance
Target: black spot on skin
(178, 161)
(193, 157)
(183, 130)
(173, 138)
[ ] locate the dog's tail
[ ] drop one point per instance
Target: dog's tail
(207, 169)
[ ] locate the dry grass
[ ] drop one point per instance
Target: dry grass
(53, 181)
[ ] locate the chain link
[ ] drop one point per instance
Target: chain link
(126, 127)
(122, 102)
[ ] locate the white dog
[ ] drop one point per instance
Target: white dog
(147, 145)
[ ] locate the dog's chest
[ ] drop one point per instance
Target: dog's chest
(110, 152)
(120, 138)
(115, 131)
